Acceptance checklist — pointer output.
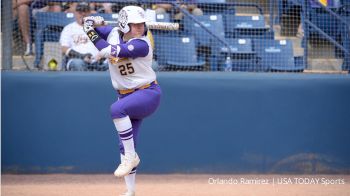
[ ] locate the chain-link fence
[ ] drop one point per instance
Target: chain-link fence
(213, 35)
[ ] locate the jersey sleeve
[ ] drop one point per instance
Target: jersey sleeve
(133, 49)
(104, 31)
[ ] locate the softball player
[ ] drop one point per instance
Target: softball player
(130, 58)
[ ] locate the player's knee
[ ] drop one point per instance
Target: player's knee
(117, 111)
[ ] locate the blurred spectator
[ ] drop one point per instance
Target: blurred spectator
(21, 11)
(94, 7)
(326, 3)
(190, 5)
(44, 6)
(102, 7)
(80, 53)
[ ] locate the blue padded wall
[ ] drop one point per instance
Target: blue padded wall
(206, 123)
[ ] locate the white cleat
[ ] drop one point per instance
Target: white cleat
(129, 193)
(127, 165)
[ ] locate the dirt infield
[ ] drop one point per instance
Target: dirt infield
(174, 185)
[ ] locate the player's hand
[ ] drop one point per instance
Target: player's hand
(88, 25)
(95, 20)
(90, 22)
(98, 57)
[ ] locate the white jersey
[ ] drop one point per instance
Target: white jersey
(73, 36)
(129, 73)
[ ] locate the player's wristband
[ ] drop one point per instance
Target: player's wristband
(93, 36)
(97, 40)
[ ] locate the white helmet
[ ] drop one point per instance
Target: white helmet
(130, 14)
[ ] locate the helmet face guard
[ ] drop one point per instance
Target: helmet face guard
(130, 14)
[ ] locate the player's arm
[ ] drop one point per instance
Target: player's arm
(132, 49)
(103, 31)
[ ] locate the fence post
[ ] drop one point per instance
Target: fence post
(272, 13)
(6, 35)
(305, 16)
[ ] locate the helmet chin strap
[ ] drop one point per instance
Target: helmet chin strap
(146, 29)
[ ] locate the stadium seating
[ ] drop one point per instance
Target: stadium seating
(163, 17)
(242, 55)
(210, 1)
(252, 27)
(252, 43)
(107, 17)
(345, 2)
(177, 53)
(276, 55)
(214, 23)
(205, 42)
(49, 27)
(215, 7)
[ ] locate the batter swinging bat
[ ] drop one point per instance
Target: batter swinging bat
(153, 25)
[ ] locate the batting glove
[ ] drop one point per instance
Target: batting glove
(88, 25)
(99, 20)
(96, 20)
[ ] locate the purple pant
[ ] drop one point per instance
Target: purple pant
(137, 105)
